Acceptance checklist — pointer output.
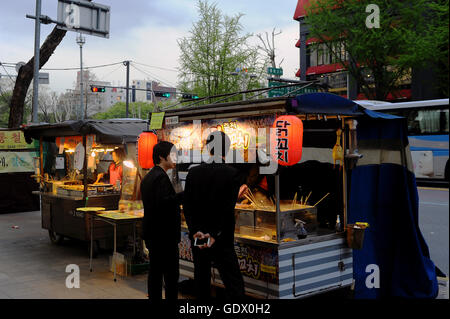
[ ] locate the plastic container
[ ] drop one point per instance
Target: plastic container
(120, 263)
(355, 236)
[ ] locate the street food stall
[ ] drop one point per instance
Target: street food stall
(80, 154)
(292, 237)
(16, 166)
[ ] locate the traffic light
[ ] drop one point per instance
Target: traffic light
(98, 89)
(189, 96)
(162, 94)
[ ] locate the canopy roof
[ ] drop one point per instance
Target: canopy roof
(114, 131)
(332, 104)
(311, 103)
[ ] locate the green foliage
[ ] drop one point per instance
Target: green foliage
(5, 97)
(213, 50)
(409, 35)
(118, 110)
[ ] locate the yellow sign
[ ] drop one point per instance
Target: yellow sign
(157, 121)
(17, 162)
(14, 140)
(268, 269)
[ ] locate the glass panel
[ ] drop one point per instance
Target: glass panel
(313, 57)
(428, 121)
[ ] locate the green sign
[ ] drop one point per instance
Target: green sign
(157, 121)
(17, 162)
(275, 71)
(286, 90)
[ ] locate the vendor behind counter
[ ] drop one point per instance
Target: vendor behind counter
(114, 175)
(307, 177)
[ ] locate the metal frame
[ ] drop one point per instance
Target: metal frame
(114, 223)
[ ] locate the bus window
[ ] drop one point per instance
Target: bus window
(428, 122)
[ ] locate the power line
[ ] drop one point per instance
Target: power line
(84, 67)
(156, 67)
(152, 76)
(68, 69)
(103, 77)
(12, 81)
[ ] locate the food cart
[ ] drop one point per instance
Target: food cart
(291, 241)
(79, 149)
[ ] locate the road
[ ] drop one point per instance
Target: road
(433, 222)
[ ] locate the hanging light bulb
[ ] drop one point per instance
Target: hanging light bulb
(129, 164)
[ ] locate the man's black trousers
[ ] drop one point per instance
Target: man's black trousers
(164, 264)
(224, 258)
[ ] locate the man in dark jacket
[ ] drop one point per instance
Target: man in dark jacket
(161, 225)
(210, 195)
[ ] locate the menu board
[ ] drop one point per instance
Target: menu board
(247, 135)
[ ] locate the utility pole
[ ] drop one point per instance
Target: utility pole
(37, 38)
(81, 40)
(127, 64)
(245, 79)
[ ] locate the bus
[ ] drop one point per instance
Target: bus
(428, 132)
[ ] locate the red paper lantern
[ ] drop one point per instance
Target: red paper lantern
(146, 142)
(287, 140)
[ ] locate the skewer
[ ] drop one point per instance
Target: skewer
(321, 199)
(251, 195)
(301, 201)
(273, 203)
(294, 200)
(251, 201)
(306, 200)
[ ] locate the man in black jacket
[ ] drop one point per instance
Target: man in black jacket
(210, 195)
(161, 225)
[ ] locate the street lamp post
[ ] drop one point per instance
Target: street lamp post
(245, 78)
(80, 41)
(37, 36)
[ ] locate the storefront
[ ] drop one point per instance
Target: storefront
(16, 168)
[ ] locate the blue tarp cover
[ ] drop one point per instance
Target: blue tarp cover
(332, 104)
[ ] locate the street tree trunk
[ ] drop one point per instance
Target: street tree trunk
(25, 75)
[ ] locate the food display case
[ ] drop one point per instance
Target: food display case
(261, 224)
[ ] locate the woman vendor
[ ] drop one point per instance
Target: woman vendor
(115, 170)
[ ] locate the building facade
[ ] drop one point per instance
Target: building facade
(141, 91)
(317, 63)
(93, 102)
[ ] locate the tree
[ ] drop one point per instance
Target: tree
(378, 57)
(49, 106)
(269, 48)
(214, 49)
(25, 76)
(66, 108)
(118, 110)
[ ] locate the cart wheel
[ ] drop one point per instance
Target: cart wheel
(96, 250)
(55, 238)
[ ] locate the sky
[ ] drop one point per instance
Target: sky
(142, 31)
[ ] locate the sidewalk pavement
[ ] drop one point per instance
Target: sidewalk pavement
(31, 267)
